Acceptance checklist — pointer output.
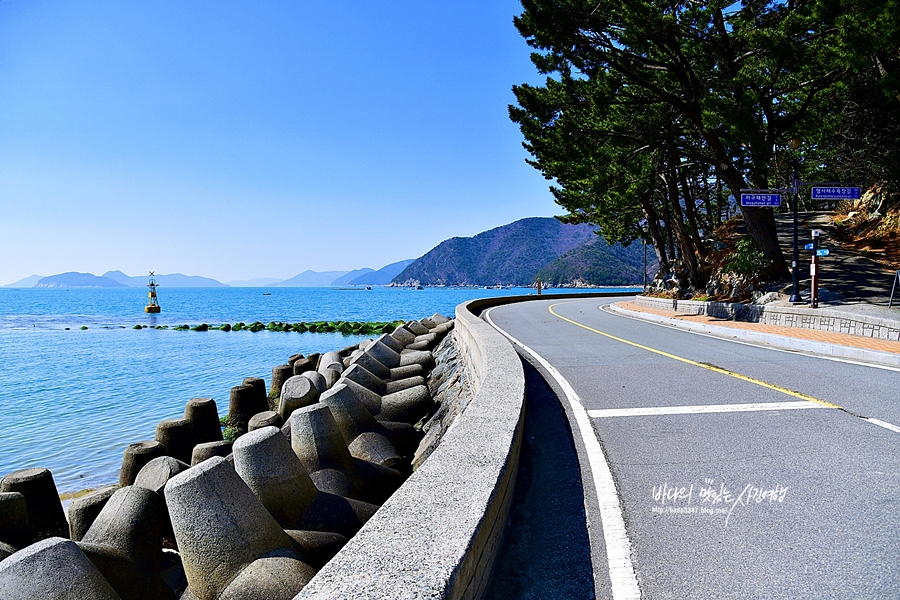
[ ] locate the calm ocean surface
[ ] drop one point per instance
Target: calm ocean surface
(73, 399)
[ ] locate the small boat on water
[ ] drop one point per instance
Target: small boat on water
(267, 293)
(152, 302)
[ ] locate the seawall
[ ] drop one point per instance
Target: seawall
(438, 536)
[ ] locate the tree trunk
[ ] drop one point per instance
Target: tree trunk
(760, 221)
(688, 256)
(656, 235)
(688, 252)
(667, 219)
(707, 203)
(761, 226)
(691, 212)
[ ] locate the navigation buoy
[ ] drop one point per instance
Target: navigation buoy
(152, 303)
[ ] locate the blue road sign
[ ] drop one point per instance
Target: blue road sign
(754, 199)
(833, 192)
(823, 252)
(808, 246)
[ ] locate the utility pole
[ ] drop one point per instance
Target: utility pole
(645, 265)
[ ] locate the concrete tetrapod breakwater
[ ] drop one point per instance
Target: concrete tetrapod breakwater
(197, 517)
(438, 535)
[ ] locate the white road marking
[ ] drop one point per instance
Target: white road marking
(884, 424)
(618, 546)
(702, 408)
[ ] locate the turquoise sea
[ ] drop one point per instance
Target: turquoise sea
(72, 399)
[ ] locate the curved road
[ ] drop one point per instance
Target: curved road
(718, 469)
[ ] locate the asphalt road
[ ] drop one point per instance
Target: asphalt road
(802, 502)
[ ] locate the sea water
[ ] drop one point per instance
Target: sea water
(72, 399)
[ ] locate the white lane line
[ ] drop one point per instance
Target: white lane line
(702, 408)
(618, 546)
(884, 424)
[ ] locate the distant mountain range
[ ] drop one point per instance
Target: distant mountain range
(384, 275)
(312, 279)
(515, 254)
(364, 276)
(257, 282)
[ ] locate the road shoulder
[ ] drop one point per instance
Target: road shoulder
(840, 346)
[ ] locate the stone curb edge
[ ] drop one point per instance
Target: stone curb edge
(768, 339)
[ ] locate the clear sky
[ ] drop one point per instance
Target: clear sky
(255, 139)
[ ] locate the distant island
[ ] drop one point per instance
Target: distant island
(173, 280)
(514, 254)
(113, 279)
(73, 279)
(309, 278)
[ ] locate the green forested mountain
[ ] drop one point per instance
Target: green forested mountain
(513, 255)
(596, 263)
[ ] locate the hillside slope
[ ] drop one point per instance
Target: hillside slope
(509, 255)
(596, 263)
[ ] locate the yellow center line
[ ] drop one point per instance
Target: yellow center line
(713, 368)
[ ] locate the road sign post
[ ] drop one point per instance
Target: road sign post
(795, 262)
(772, 198)
(761, 198)
(822, 190)
(814, 272)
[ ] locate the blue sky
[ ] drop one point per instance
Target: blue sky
(238, 140)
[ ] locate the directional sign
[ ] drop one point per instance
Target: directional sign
(831, 192)
(822, 252)
(809, 246)
(760, 199)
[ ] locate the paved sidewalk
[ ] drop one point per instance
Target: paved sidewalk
(839, 339)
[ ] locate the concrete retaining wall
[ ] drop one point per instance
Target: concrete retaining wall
(823, 319)
(439, 534)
